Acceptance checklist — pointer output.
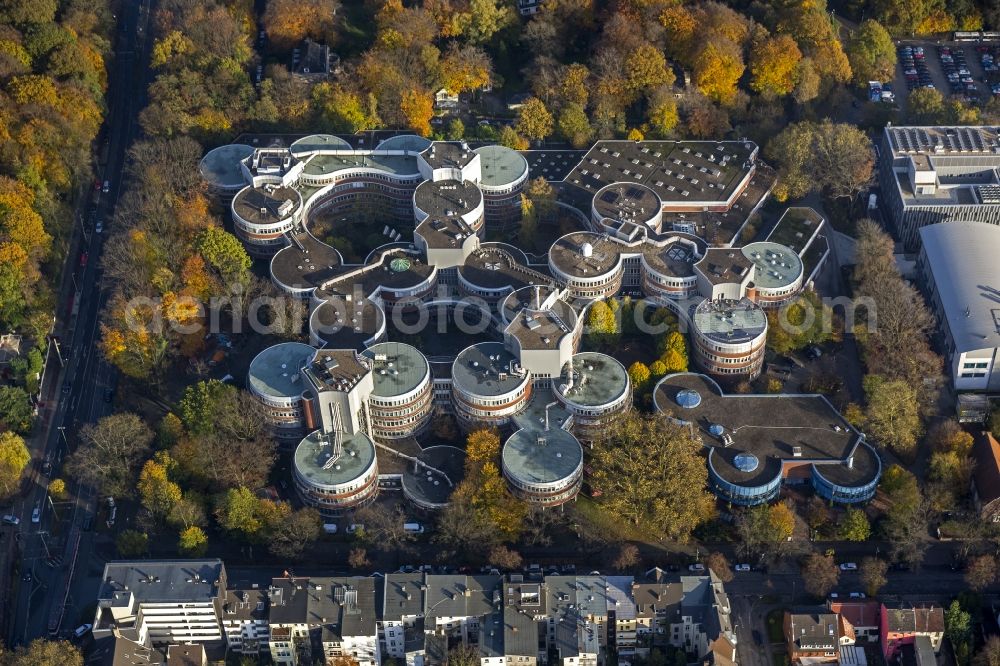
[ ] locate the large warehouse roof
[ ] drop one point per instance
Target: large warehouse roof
(962, 256)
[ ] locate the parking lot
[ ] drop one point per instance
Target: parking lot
(954, 68)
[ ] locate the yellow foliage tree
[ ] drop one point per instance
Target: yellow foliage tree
(418, 108)
(717, 69)
(774, 65)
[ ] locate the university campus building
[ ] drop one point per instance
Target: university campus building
(658, 219)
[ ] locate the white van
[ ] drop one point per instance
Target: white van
(413, 528)
(329, 528)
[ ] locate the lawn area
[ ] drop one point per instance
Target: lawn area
(775, 630)
(607, 524)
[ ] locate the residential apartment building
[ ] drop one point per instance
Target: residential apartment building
(692, 614)
(901, 626)
(413, 618)
(814, 637)
(322, 618)
(164, 601)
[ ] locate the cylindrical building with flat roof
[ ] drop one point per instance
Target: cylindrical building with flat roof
(403, 400)
(589, 264)
(504, 173)
(335, 481)
(595, 388)
(777, 276)
(222, 170)
(263, 215)
(275, 381)
(543, 467)
(488, 385)
(728, 338)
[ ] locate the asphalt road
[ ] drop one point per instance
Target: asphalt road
(77, 396)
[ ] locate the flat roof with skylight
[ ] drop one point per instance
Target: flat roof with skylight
(274, 372)
(399, 368)
(313, 454)
(538, 456)
(730, 321)
(501, 166)
(775, 266)
(598, 380)
(487, 369)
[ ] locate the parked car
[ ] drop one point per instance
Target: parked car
(106, 187)
(11, 519)
(742, 567)
(857, 595)
(413, 528)
(82, 629)
(99, 227)
(36, 514)
(697, 566)
(849, 566)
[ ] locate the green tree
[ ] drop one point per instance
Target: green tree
(201, 404)
(925, 106)
(15, 409)
(958, 630)
(483, 20)
(511, 139)
(239, 511)
(534, 120)
(871, 53)
(892, 417)
(456, 129)
(574, 126)
(28, 369)
(673, 501)
(193, 542)
(224, 252)
(132, 543)
(14, 457)
(854, 526)
(802, 321)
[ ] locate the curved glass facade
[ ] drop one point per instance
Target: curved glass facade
(847, 494)
(742, 495)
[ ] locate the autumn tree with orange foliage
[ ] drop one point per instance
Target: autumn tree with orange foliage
(288, 22)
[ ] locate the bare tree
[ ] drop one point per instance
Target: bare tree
(111, 452)
(873, 572)
(718, 563)
(384, 528)
(820, 573)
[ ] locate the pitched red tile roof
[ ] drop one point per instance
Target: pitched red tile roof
(987, 474)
